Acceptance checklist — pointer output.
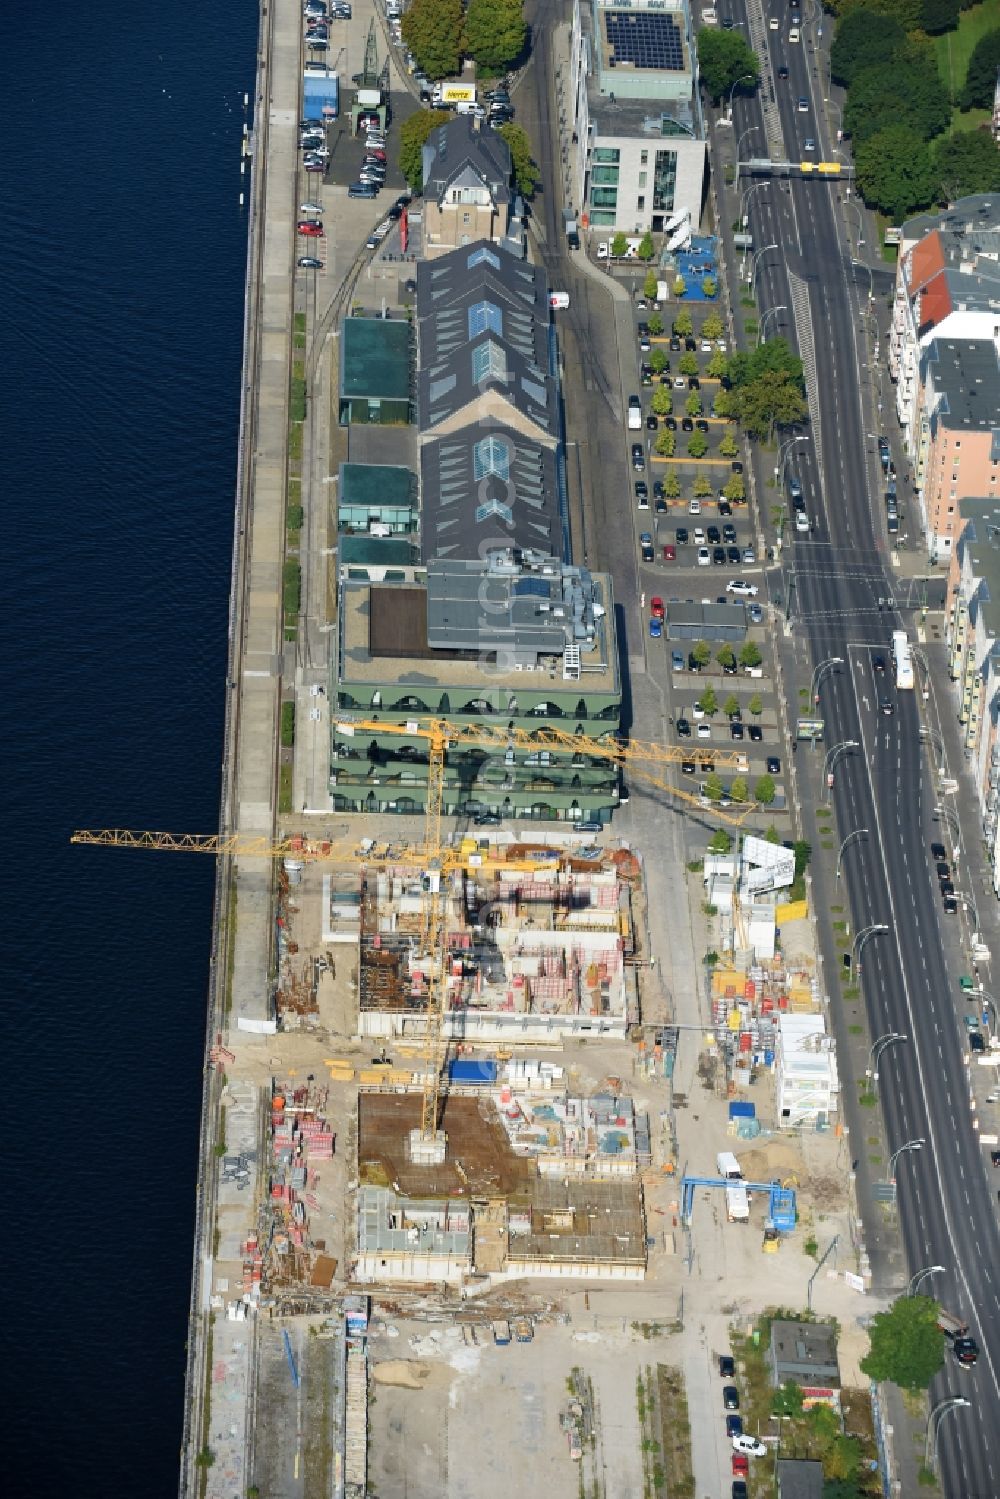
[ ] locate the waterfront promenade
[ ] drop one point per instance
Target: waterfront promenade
(220, 1378)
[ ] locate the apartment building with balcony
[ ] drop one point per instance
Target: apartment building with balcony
(947, 286)
(972, 633)
(958, 452)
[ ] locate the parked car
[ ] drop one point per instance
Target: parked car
(773, 765)
(731, 1397)
(657, 608)
(309, 263)
(638, 457)
(312, 227)
(747, 1444)
(734, 1426)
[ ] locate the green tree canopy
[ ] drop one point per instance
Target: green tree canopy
(710, 702)
(684, 323)
(908, 94)
(688, 364)
(432, 29)
(720, 842)
(764, 791)
(772, 400)
(712, 327)
(739, 790)
(895, 172)
(412, 136)
(750, 654)
(966, 162)
(713, 786)
(776, 355)
(646, 249)
(619, 244)
(864, 40)
(658, 361)
(939, 15)
(525, 170)
(655, 324)
(666, 443)
(649, 285)
(495, 33)
(672, 486)
(661, 402)
(728, 447)
(702, 652)
(981, 75)
(697, 445)
(735, 489)
(725, 655)
(723, 59)
(702, 485)
(692, 405)
(907, 1346)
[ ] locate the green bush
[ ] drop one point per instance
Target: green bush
(291, 577)
(287, 725)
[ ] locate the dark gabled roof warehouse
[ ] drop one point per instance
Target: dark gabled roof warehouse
(487, 487)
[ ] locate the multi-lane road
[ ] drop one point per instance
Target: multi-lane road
(834, 580)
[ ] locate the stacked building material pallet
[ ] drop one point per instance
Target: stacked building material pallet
(356, 1421)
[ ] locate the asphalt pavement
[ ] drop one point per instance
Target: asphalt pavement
(836, 584)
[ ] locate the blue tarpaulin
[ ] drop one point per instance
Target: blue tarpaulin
(472, 1072)
(742, 1110)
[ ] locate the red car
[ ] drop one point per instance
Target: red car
(310, 226)
(670, 553)
(741, 1464)
(656, 608)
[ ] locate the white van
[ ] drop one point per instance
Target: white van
(634, 414)
(558, 299)
(728, 1166)
(793, 35)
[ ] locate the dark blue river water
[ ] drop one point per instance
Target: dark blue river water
(122, 250)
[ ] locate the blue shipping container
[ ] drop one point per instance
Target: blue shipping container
(472, 1072)
(320, 96)
(742, 1110)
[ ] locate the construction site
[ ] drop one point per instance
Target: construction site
(535, 948)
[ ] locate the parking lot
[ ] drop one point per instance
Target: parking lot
(704, 595)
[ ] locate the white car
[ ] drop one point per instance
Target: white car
(707, 347)
(749, 1445)
(704, 731)
(704, 559)
(694, 507)
(741, 588)
(801, 521)
(774, 23)
(602, 250)
(699, 538)
(310, 208)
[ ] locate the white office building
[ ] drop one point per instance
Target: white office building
(638, 156)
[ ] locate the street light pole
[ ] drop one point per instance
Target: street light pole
(911, 1145)
(819, 673)
(747, 78)
(739, 147)
(877, 929)
(745, 204)
(956, 1402)
(771, 312)
(915, 1280)
(830, 763)
(754, 259)
(858, 833)
(891, 1038)
(779, 467)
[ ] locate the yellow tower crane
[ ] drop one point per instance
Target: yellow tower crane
(648, 762)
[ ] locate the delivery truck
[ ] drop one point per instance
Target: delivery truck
(448, 95)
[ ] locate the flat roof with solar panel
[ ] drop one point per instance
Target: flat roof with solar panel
(644, 39)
